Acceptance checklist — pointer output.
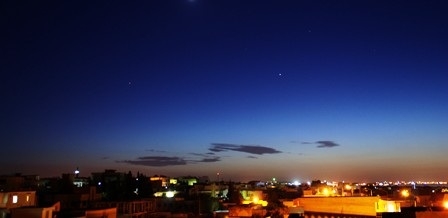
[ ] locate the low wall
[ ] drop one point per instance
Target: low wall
(432, 214)
(102, 213)
(343, 205)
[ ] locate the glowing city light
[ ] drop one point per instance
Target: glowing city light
(405, 193)
(445, 204)
(255, 199)
(326, 192)
(169, 194)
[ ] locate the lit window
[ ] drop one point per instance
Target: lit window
(15, 199)
(27, 198)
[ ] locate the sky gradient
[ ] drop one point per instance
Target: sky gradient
(338, 90)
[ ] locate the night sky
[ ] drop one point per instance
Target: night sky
(338, 90)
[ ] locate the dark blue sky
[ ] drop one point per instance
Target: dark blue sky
(344, 90)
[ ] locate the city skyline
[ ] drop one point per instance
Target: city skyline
(337, 90)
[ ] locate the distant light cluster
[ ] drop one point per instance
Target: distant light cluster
(386, 183)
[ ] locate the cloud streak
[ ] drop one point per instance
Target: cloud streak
(154, 150)
(197, 157)
(209, 160)
(322, 144)
(163, 161)
(326, 144)
(156, 161)
(251, 149)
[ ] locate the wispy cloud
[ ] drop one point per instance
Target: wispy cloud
(198, 157)
(156, 161)
(200, 154)
(322, 144)
(162, 161)
(210, 160)
(326, 144)
(251, 149)
(154, 150)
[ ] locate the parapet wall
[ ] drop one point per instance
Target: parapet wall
(431, 214)
(344, 205)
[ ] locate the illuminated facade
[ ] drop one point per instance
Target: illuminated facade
(35, 212)
(362, 206)
(253, 197)
(17, 199)
(162, 180)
